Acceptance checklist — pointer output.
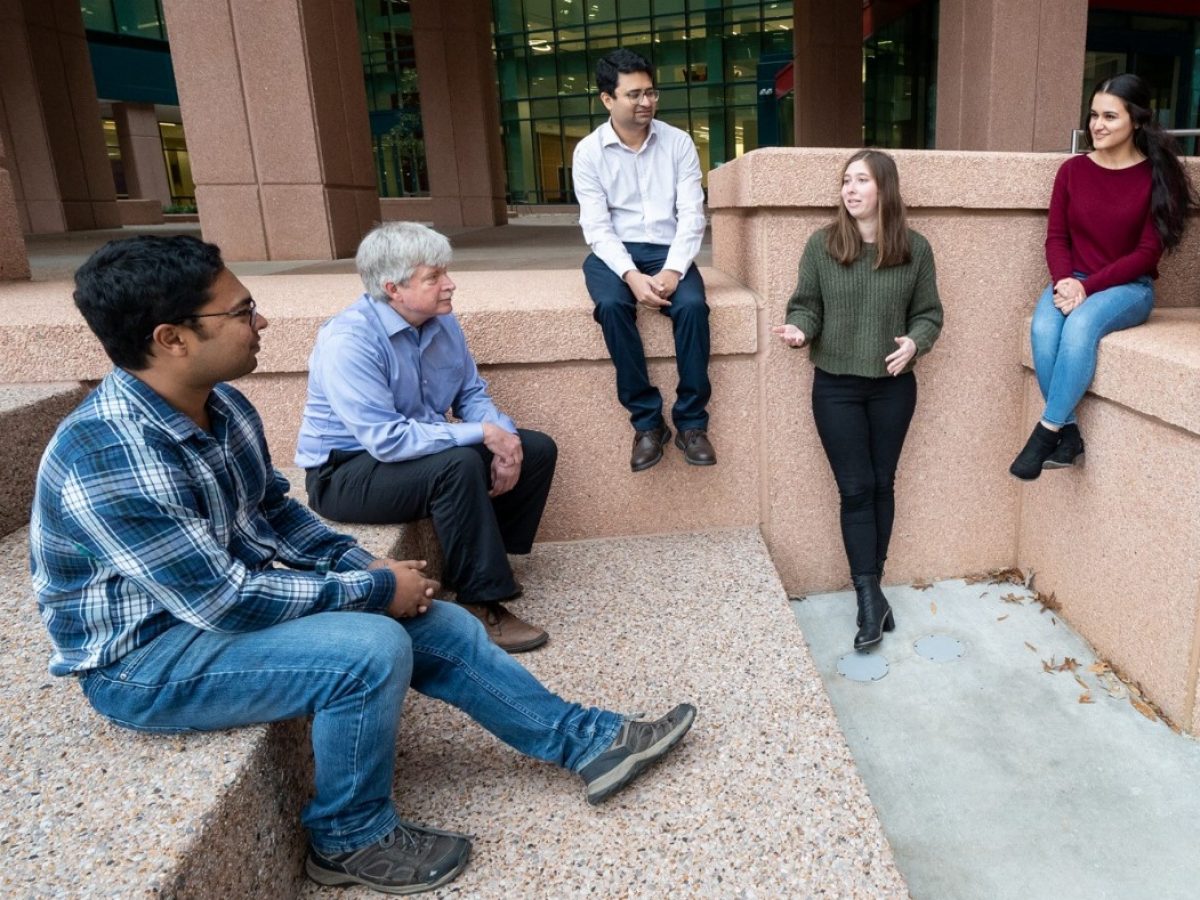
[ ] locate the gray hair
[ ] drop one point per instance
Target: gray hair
(392, 251)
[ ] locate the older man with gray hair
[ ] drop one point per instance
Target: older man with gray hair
(379, 447)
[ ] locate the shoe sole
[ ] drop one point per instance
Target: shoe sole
(636, 763)
(531, 644)
(330, 878)
(1052, 464)
(654, 462)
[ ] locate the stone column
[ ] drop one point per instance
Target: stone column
(1009, 73)
(275, 108)
(14, 263)
(829, 58)
(62, 179)
(460, 111)
(142, 152)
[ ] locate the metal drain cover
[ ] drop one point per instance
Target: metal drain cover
(940, 648)
(862, 666)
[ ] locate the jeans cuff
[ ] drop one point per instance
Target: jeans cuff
(601, 741)
(351, 841)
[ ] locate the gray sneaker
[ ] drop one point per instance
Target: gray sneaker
(638, 744)
(411, 859)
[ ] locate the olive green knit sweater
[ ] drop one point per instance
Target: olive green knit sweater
(851, 315)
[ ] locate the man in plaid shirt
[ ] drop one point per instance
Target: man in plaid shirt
(187, 591)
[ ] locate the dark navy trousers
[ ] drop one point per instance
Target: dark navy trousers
(616, 311)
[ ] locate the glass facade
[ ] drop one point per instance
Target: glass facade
(393, 103)
(1162, 49)
(128, 18)
(900, 74)
(705, 52)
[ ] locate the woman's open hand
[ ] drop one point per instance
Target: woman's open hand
(789, 334)
(897, 361)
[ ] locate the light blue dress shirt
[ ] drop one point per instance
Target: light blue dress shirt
(378, 384)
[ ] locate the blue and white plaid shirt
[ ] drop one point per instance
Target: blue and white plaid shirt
(142, 520)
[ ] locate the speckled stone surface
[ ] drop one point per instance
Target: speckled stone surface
(29, 413)
(91, 810)
(760, 800)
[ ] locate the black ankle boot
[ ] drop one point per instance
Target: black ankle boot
(1028, 464)
(1069, 449)
(879, 572)
(874, 612)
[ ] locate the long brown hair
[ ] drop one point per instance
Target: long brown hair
(842, 240)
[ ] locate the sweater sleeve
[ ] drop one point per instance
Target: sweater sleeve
(1141, 260)
(1058, 234)
(924, 319)
(806, 307)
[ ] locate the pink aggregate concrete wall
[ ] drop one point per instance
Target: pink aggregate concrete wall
(984, 215)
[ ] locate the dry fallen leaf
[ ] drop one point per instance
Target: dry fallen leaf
(1069, 664)
(984, 594)
(921, 585)
(1085, 697)
(933, 607)
(1047, 603)
(1083, 684)
(1002, 618)
(1031, 647)
(1143, 708)
(1098, 668)
(1013, 598)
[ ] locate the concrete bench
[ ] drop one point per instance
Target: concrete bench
(1117, 538)
(29, 413)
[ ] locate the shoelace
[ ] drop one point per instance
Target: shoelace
(408, 837)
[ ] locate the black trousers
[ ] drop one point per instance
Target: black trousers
(451, 487)
(862, 423)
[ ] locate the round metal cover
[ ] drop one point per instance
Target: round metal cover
(862, 666)
(940, 648)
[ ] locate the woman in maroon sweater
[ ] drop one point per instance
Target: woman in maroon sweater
(1113, 213)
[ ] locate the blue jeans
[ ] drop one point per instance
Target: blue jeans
(616, 311)
(349, 671)
(1065, 347)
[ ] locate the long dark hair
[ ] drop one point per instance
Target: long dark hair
(1172, 190)
(843, 241)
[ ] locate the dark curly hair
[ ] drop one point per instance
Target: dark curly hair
(130, 286)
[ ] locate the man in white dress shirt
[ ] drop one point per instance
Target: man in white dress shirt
(642, 211)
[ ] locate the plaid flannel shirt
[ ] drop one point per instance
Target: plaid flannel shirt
(143, 520)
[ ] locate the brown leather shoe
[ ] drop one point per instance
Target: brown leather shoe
(647, 447)
(506, 630)
(697, 449)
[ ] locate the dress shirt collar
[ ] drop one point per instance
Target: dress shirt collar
(133, 389)
(393, 323)
(609, 136)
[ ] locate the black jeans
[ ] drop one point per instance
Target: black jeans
(862, 423)
(475, 531)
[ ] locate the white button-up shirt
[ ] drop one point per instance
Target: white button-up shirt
(650, 195)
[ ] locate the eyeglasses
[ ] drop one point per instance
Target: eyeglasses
(651, 94)
(249, 312)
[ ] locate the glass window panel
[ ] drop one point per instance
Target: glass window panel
(543, 109)
(602, 11)
(507, 14)
(632, 8)
(668, 7)
(538, 14)
(673, 100)
(639, 27)
(575, 106)
(98, 15)
(569, 12)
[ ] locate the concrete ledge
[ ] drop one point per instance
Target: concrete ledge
(1117, 538)
(91, 810)
(29, 413)
(509, 317)
(140, 212)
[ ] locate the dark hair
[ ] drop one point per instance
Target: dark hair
(843, 240)
(129, 287)
(1172, 190)
(620, 62)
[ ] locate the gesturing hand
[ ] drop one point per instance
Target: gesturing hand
(789, 334)
(899, 358)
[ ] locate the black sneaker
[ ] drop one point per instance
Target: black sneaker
(411, 859)
(1068, 451)
(637, 745)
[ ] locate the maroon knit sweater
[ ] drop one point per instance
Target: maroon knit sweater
(1100, 224)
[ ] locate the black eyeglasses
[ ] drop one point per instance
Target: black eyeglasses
(249, 312)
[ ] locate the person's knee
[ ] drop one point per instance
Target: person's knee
(370, 648)
(538, 448)
(857, 496)
(463, 465)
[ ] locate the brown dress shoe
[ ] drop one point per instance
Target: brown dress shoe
(647, 447)
(506, 630)
(697, 449)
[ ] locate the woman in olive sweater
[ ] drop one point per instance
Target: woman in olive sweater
(867, 305)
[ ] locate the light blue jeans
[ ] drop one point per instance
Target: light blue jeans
(1065, 347)
(349, 671)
